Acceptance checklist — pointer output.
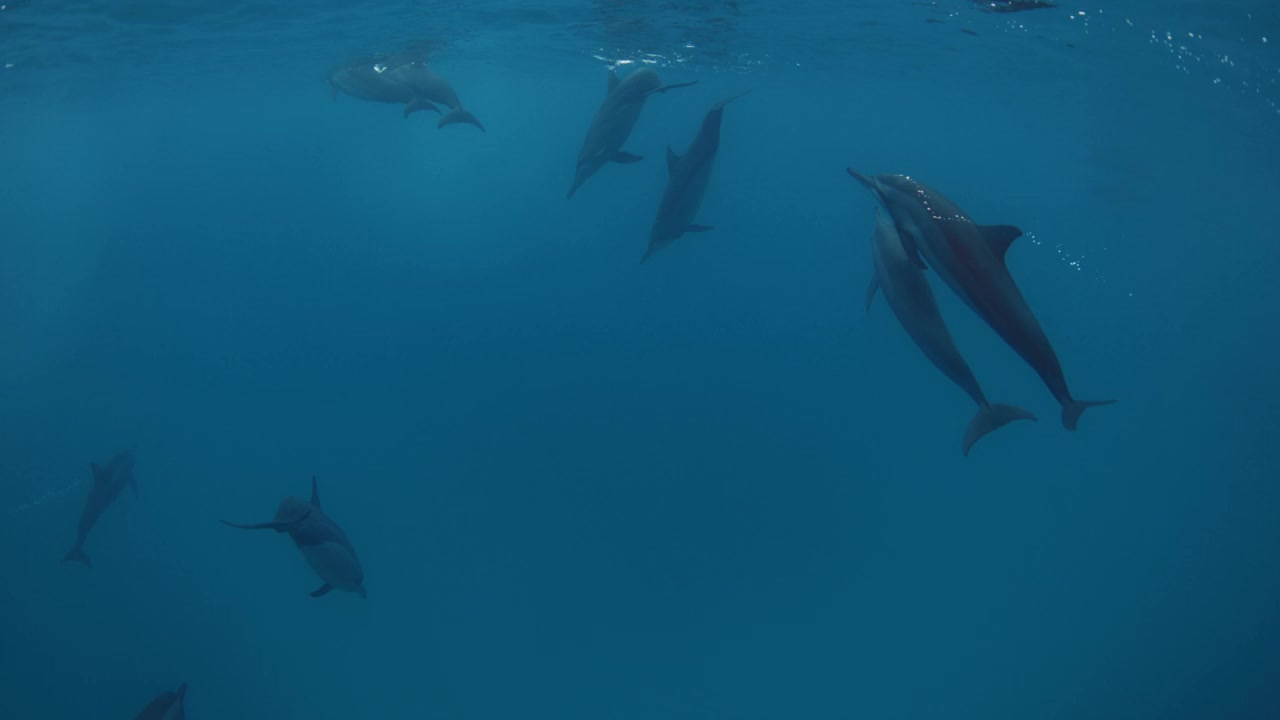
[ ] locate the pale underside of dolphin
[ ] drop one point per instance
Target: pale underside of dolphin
(970, 258)
(321, 541)
(911, 299)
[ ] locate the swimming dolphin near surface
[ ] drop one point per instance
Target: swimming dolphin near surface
(108, 481)
(912, 302)
(166, 706)
(403, 79)
(1012, 6)
(970, 258)
(687, 178)
(613, 122)
(322, 542)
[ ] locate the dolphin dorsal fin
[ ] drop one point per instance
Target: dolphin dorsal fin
(672, 159)
(613, 80)
(315, 494)
(1000, 237)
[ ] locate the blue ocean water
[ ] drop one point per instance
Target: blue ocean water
(708, 486)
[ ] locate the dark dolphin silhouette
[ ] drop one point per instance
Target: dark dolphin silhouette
(402, 79)
(912, 302)
(166, 706)
(971, 259)
(1012, 6)
(108, 481)
(687, 178)
(322, 542)
(613, 122)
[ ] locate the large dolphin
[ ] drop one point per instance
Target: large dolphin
(912, 302)
(402, 79)
(970, 258)
(322, 542)
(166, 706)
(613, 122)
(687, 178)
(109, 480)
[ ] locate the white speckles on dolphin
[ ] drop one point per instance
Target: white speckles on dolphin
(109, 480)
(166, 706)
(324, 545)
(687, 179)
(613, 122)
(402, 79)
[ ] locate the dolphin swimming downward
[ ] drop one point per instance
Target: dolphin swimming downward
(324, 545)
(108, 481)
(912, 302)
(613, 122)
(970, 258)
(687, 179)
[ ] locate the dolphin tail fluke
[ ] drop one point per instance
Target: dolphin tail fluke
(1073, 409)
(458, 115)
(78, 556)
(991, 417)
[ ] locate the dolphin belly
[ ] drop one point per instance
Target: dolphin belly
(336, 564)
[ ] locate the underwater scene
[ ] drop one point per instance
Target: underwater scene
(634, 359)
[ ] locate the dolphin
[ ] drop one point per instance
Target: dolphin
(108, 481)
(912, 302)
(1012, 6)
(402, 79)
(613, 122)
(687, 178)
(322, 542)
(970, 258)
(166, 706)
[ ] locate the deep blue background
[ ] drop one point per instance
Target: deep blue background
(708, 486)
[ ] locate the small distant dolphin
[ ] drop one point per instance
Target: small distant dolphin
(166, 706)
(970, 258)
(403, 79)
(613, 122)
(108, 481)
(322, 542)
(687, 178)
(912, 302)
(1012, 6)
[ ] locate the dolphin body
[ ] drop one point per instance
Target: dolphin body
(108, 481)
(970, 258)
(687, 179)
(912, 302)
(613, 122)
(166, 706)
(403, 80)
(322, 542)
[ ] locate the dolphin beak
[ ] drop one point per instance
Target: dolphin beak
(868, 181)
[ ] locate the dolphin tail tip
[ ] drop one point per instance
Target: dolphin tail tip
(79, 556)
(987, 419)
(458, 115)
(1073, 409)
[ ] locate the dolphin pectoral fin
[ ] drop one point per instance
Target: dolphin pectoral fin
(672, 160)
(315, 493)
(625, 157)
(673, 86)
(418, 104)
(871, 289)
(322, 590)
(991, 418)
(363, 593)
(720, 105)
(1000, 237)
(1073, 409)
(698, 228)
(78, 555)
(911, 238)
(458, 115)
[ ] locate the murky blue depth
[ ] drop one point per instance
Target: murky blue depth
(709, 486)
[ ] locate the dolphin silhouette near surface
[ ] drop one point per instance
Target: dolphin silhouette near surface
(321, 541)
(911, 299)
(687, 178)
(109, 479)
(613, 122)
(402, 79)
(166, 706)
(970, 258)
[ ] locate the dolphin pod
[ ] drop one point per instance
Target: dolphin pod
(401, 79)
(321, 541)
(613, 122)
(970, 259)
(911, 300)
(687, 178)
(166, 706)
(109, 480)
